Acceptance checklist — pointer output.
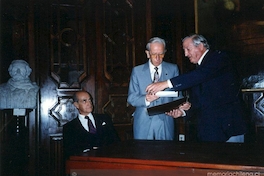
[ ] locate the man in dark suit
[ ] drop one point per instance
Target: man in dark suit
(213, 92)
(79, 136)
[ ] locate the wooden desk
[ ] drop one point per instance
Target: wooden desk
(169, 157)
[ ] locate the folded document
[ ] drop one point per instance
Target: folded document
(160, 109)
(167, 94)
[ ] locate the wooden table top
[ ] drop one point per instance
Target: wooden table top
(173, 151)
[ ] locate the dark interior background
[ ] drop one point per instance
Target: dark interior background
(93, 45)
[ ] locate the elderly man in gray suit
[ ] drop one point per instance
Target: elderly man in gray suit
(156, 127)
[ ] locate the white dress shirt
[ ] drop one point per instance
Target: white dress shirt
(152, 71)
(84, 121)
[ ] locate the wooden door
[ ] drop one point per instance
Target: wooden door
(82, 46)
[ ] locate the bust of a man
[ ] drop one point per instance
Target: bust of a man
(19, 92)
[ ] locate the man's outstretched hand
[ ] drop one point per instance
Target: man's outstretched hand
(155, 87)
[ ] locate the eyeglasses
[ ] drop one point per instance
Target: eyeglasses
(84, 101)
(156, 55)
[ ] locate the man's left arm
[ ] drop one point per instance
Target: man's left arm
(109, 133)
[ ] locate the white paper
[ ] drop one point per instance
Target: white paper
(167, 94)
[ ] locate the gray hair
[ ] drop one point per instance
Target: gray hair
(197, 40)
(156, 40)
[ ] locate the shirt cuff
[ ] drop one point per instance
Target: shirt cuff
(147, 102)
(183, 112)
(169, 83)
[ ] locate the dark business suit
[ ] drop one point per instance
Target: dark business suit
(214, 98)
(76, 138)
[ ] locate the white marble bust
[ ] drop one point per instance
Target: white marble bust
(19, 92)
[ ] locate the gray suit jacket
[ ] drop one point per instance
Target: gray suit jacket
(139, 80)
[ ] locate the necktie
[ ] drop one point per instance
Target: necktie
(156, 75)
(91, 127)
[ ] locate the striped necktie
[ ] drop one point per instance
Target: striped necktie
(156, 75)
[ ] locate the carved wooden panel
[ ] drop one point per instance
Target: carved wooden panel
(119, 45)
(259, 106)
(119, 57)
(118, 109)
(248, 38)
(254, 101)
(63, 111)
(67, 45)
(68, 57)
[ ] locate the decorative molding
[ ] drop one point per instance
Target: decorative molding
(118, 108)
(119, 41)
(68, 46)
(63, 111)
(259, 104)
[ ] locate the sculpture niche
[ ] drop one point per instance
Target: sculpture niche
(19, 92)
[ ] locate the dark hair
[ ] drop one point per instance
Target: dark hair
(75, 98)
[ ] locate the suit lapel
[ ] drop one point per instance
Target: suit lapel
(98, 123)
(164, 73)
(78, 124)
(206, 57)
(146, 73)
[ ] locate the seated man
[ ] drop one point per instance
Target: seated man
(88, 130)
